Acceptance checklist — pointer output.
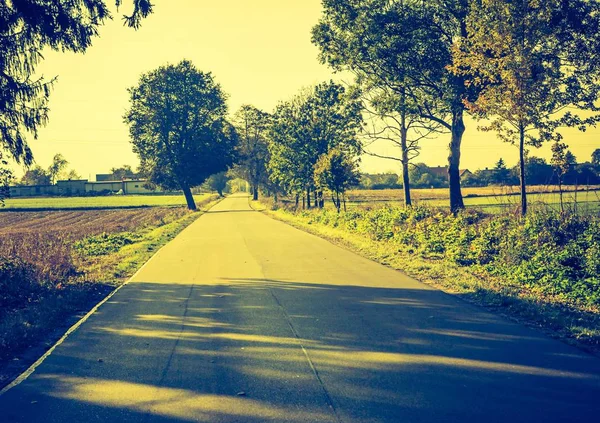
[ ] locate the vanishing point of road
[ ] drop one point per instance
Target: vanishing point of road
(242, 318)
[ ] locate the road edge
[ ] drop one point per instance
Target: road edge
(31, 369)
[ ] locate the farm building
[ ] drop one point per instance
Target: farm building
(81, 187)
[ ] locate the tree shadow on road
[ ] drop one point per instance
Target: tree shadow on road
(255, 350)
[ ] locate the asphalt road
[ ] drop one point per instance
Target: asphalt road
(244, 319)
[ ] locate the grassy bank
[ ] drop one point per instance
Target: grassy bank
(543, 270)
(55, 266)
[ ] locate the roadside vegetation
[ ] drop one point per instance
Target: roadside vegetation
(55, 265)
(543, 269)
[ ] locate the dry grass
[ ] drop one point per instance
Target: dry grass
(393, 195)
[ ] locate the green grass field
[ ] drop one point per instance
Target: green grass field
(114, 201)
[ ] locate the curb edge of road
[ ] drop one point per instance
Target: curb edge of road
(24, 375)
(29, 371)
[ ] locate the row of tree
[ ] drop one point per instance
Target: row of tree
(526, 67)
(537, 170)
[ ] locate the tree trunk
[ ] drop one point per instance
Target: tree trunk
(522, 170)
(297, 200)
(458, 129)
(308, 198)
(560, 195)
(255, 193)
(189, 198)
(405, 175)
(404, 146)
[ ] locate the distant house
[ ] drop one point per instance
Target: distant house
(442, 171)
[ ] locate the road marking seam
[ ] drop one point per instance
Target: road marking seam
(308, 359)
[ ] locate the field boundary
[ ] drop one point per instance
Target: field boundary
(31, 369)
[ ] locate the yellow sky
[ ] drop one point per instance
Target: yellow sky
(260, 52)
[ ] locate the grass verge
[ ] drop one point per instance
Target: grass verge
(574, 323)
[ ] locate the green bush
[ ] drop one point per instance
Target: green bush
(104, 244)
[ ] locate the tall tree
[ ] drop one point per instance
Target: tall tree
(58, 165)
(308, 126)
(404, 46)
(27, 27)
(178, 127)
(535, 62)
(252, 126)
(394, 119)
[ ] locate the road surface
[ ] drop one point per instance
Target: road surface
(242, 318)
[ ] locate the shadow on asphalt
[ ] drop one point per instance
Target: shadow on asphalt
(400, 355)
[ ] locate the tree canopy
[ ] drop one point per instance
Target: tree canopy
(535, 63)
(178, 127)
(403, 46)
(27, 27)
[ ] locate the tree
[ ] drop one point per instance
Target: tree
(217, 182)
(336, 171)
(596, 157)
(252, 125)
(27, 27)
(501, 175)
(72, 175)
(59, 163)
(308, 126)
(404, 46)
(392, 119)
(6, 178)
(36, 176)
(123, 172)
(532, 60)
(178, 128)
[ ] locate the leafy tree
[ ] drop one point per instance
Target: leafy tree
(501, 175)
(252, 125)
(217, 182)
(36, 176)
(178, 128)
(59, 164)
(27, 27)
(123, 172)
(596, 157)
(532, 60)
(404, 46)
(336, 171)
(537, 171)
(6, 178)
(308, 126)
